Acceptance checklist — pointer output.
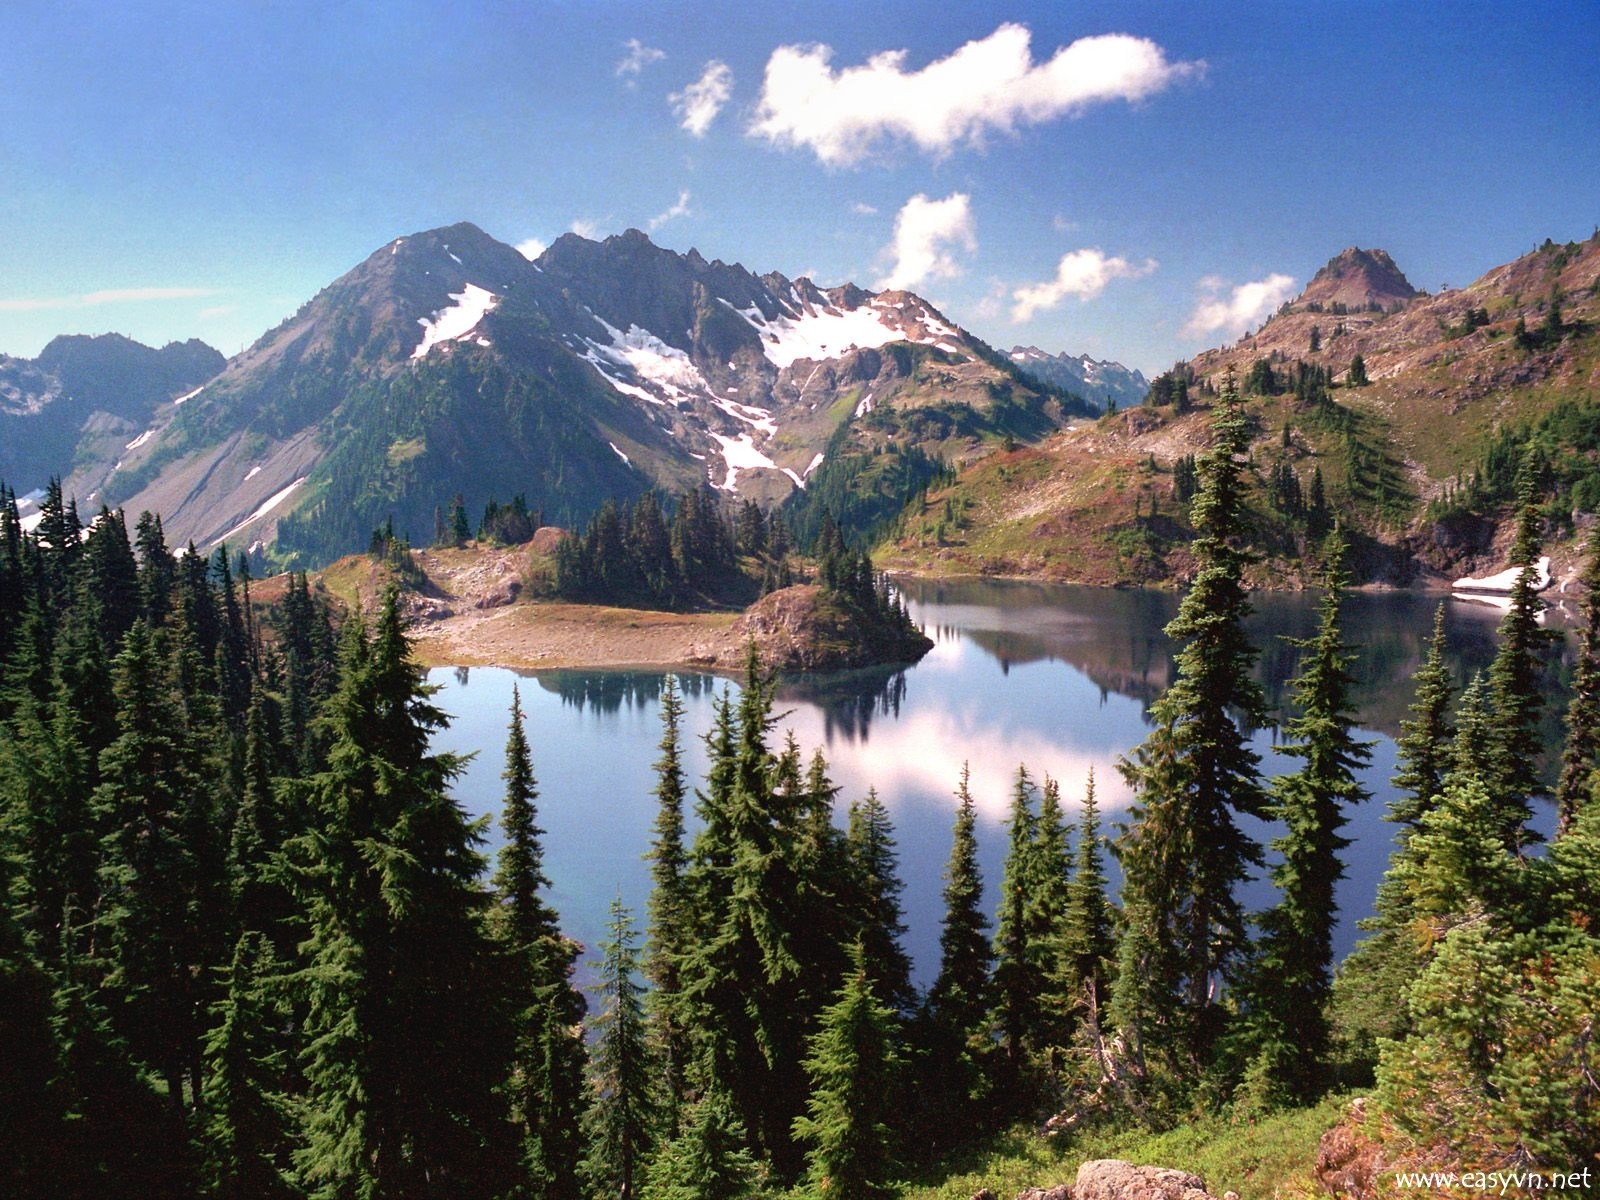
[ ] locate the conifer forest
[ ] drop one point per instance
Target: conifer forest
(251, 946)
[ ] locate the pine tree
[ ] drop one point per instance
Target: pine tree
(1184, 854)
(709, 1160)
(619, 1122)
(958, 1000)
(1088, 941)
(246, 1129)
(547, 1064)
(1516, 680)
(1016, 980)
(878, 887)
(669, 930)
(1424, 742)
(1048, 891)
(1295, 956)
(1582, 751)
(852, 1066)
(404, 1047)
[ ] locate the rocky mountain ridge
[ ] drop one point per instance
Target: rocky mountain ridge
(447, 363)
(1102, 384)
(82, 393)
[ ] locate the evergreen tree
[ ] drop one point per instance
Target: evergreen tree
(246, 1129)
(958, 1000)
(547, 1064)
(881, 926)
(619, 1121)
(1295, 956)
(1016, 979)
(404, 1048)
(1048, 891)
(1516, 680)
(670, 930)
(1582, 751)
(1424, 743)
(1088, 941)
(1184, 854)
(852, 1066)
(709, 1160)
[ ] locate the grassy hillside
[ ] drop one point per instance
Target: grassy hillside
(1449, 379)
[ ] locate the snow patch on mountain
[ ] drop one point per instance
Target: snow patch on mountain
(648, 357)
(471, 305)
(740, 454)
(820, 333)
(270, 503)
(140, 440)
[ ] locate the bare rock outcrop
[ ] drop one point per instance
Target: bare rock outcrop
(1114, 1179)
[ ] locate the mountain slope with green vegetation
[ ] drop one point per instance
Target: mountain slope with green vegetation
(1411, 411)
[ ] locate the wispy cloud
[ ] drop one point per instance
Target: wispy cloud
(699, 103)
(679, 209)
(1083, 273)
(863, 209)
(992, 84)
(1239, 309)
(531, 249)
(586, 228)
(924, 234)
(141, 295)
(638, 57)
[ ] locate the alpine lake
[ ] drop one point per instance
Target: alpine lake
(1056, 678)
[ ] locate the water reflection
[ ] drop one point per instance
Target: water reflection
(1058, 678)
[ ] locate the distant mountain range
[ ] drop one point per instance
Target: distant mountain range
(1102, 384)
(83, 398)
(447, 364)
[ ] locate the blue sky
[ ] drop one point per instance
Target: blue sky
(1132, 181)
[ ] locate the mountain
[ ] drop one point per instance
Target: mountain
(447, 364)
(1102, 384)
(1358, 280)
(83, 397)
(1414, 411)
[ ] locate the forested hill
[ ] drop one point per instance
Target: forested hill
(250, 946)
(1403, 415)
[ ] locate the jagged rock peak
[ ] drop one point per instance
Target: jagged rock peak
(1359, 279)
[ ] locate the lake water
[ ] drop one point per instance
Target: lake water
(1057, 678)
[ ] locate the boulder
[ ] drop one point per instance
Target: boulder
(1059, 1192)
(1113, 1179)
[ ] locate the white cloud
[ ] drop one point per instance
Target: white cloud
(1083, 273)
(1241, 308)
(923, 234)
(531, 249)
(986, 85)
(638, 57)
(586, 228)
(863, 209)
(699, 103)
(140, 295)
(679, 209)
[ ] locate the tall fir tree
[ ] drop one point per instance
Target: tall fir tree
(1294, 962)
(404, 1046)
(1424, 741)
(669, 932)
(620, 1120)
(1087, 945)
(1581, 754)
(1016, 982)
(881, 925)
(1516, 680)
(547, 1063)
(1184, 853)
(853, 1065)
